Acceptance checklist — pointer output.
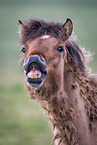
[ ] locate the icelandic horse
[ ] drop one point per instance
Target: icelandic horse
(56, 75)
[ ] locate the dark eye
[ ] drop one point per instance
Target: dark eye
(23, 50)
(60, 49)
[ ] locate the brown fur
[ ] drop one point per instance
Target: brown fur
(69, 92)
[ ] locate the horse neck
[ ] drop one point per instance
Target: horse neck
(68, 115)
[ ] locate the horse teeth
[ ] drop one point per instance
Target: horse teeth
(34, 74)
(30, 75)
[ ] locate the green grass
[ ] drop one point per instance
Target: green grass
(23, 122)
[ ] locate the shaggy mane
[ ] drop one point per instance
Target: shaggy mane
(76, 56)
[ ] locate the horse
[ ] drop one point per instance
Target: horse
(57, 76)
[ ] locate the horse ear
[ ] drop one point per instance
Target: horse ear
(67, 28)
(21, 28)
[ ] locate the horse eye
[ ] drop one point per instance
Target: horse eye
(23, 50)
(60, 49)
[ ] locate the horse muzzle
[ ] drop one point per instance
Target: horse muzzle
(35, 71)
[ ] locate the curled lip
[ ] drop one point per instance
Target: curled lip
(36, 63)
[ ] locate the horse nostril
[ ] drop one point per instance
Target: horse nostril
(25, 61)
(42, 60)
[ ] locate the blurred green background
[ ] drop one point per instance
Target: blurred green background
(23, 122)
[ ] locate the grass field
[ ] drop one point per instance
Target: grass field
(23, 122)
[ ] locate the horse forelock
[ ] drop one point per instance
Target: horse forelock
(38, 28)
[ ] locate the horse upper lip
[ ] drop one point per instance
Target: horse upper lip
(38, 67)
(34, 61)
